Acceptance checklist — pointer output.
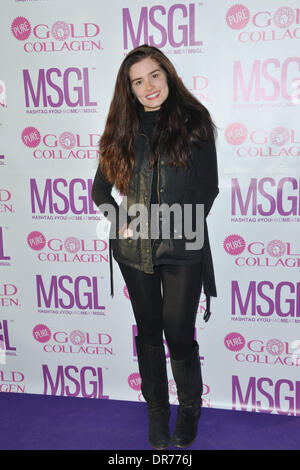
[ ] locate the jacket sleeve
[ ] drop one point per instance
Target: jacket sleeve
(101, 194)
(207, 170)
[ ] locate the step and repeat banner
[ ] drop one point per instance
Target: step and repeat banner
(61, 333)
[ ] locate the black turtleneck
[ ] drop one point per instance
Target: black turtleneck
(147, 120)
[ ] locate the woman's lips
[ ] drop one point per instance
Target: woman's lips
(153, 96)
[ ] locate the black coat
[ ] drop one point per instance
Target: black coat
(196, 185)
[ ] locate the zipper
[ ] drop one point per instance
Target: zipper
(157, 189)
(139, 133)
(157, 185)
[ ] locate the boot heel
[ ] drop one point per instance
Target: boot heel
(159, 434)
(186, 426)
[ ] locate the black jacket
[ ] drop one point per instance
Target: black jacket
(196, 185)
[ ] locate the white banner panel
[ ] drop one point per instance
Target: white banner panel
(60, 331)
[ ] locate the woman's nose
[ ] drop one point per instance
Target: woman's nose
(148, 85)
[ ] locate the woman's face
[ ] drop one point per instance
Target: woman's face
(149, 83)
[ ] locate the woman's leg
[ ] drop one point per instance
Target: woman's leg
(146, 299)
(181, 293)
(182, 288)
(145, 295)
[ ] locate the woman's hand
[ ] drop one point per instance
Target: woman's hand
(125, 231)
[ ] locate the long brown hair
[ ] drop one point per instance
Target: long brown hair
(182, 118)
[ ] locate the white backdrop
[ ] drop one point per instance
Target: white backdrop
(60, 331)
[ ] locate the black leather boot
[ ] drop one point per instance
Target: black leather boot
(187, 375)
(154, 386)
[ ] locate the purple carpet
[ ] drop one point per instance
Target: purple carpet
(36, 422)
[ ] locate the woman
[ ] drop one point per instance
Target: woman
(158, 148)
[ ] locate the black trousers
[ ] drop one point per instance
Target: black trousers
(165, 301)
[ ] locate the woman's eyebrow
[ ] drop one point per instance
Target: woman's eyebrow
(150, 73)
